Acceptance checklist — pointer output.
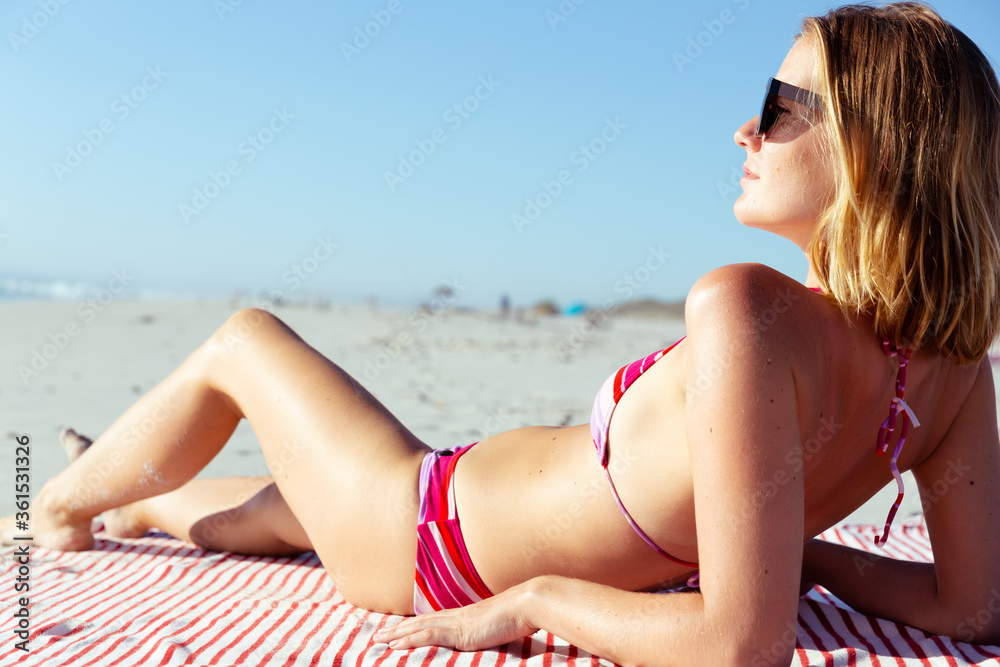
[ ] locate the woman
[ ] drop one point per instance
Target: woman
(878, 153)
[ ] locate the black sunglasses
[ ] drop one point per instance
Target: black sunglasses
(769, 110)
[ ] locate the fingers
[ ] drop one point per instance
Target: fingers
(422, 638)
(416, 632)
(484, 624)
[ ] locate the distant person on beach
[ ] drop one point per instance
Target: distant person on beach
(877, 152)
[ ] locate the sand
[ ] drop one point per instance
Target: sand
(452, 377)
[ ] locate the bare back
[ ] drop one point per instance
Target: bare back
(535, 500)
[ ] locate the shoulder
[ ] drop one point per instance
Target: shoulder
(750, 300)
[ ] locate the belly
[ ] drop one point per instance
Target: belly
(536, 501)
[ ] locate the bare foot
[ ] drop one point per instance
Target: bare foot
(119, 522)
(74, 443)
(47, 527)
(43, 523)
(124, 522)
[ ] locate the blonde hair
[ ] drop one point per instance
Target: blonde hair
(912, 110)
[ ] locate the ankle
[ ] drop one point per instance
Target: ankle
(60, 507)
(137, 515)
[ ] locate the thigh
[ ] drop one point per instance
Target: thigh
(346, 467)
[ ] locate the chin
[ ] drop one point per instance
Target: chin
(744, 212)
(791, 233)
(746, 218)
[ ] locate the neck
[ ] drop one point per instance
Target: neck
(812, 278)
(802, 240)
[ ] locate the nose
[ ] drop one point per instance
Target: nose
(746, 137)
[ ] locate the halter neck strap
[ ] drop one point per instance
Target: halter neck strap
(898, 407)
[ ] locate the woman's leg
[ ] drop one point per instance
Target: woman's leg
(160, 442)
(245, 515)
(347, 469)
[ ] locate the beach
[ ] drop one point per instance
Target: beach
(451, 376)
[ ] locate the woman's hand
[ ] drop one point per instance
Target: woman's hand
(485, 624)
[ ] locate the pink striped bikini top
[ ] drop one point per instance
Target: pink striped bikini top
(600, 422)
(615, 387)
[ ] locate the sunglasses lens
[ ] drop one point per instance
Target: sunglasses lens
(767, 117)
(764, 122)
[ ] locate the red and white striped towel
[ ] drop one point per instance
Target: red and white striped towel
(160, 601)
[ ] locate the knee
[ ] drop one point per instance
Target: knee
(246, 321)
(246, 325)
(251, 527)
(215, 531)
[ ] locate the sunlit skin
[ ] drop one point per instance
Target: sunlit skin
(790, 180)
(714, 473)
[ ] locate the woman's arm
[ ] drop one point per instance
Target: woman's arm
(959, 594)
(628, 628)
(636, 628)
(741, 412)
(875, 585)
(742, 415)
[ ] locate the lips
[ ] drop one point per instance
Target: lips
(748, 173)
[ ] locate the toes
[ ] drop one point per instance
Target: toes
(69, 435)
(74, 443)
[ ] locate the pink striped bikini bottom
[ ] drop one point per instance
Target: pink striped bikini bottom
(445, 576)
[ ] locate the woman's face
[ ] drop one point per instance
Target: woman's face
(788, 177)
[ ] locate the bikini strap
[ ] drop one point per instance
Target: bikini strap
(637, 529)
(897, 406)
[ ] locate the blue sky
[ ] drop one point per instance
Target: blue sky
(203, 147)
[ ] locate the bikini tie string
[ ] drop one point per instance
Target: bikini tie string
(897, 406)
